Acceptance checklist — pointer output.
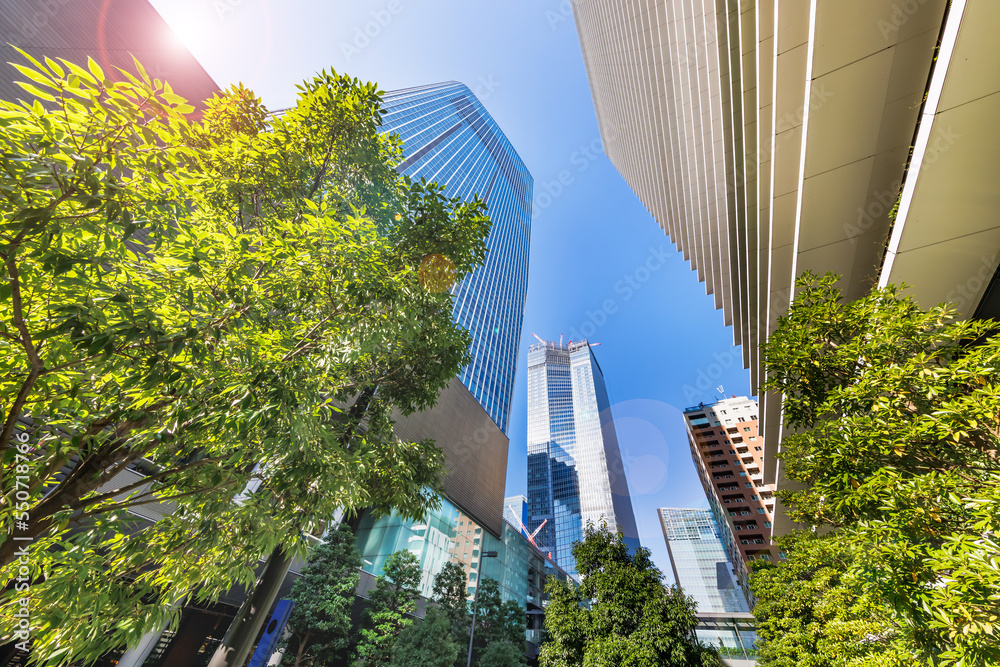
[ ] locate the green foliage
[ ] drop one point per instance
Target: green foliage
(390, 609)
(320, 623)
(633, 619)
(450, 592)
(214, 303)
(809, 612)
(892, 415)
(497, 622)
(503, 654)
(427, 644)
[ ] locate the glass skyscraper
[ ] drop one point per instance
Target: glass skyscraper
(575, 472)
(699, 559)
(703, 570)
(449, 137)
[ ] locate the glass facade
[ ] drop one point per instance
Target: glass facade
(703, 570)
(447, 535)
(699, 559)
(575, 471)
(449, 137)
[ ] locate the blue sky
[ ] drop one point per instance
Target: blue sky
(597, 256)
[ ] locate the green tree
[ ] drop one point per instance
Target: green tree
(195, 308)
(891, 414)
(633, 620)
(320, 624)
(498, 622)
(809, 612)
(450, 591)
(502, 654)
(426, 644)
(390, 609)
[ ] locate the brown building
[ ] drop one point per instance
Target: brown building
(728, 451)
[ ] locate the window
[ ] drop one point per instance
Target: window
(475, 552)
(748, 485)
(755, 497)
(743, 473)
(746, 429)
(753, 438)
(767, 523)
(761, 510)
(757, 449)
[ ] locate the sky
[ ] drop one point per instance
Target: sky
(600, 265)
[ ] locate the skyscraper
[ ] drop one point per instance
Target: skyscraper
(728, 452)
(699, 560)
(575, 471)
(450, 138)
(771, 138)
(703, 570)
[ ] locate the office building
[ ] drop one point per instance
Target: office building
(449, 137)
(575, 473)
(770, 138)
(703, 569)
(515, 511)
(728, 453)
(699, 560)
(109, 31)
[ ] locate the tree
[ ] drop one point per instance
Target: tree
(390, 609)
(196, 308)
(427, 644)
(502, 654)
(498, 623)
(319, 627)
(892, 420)
(450, 592)
(809, 612)
(633, 619)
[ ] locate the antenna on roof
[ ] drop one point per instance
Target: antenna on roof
(560, 339)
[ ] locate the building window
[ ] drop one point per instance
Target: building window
(761, 510)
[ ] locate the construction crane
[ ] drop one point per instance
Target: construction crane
(538, 338)
(531, 537)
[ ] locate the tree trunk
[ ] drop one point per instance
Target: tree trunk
(238, 642)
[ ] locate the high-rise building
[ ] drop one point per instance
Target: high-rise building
(515, 511)
(575, 471)
(699, 559)
(450, 138)
(770, 138)
(109, 31)
(703, 570)
(728, 452)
